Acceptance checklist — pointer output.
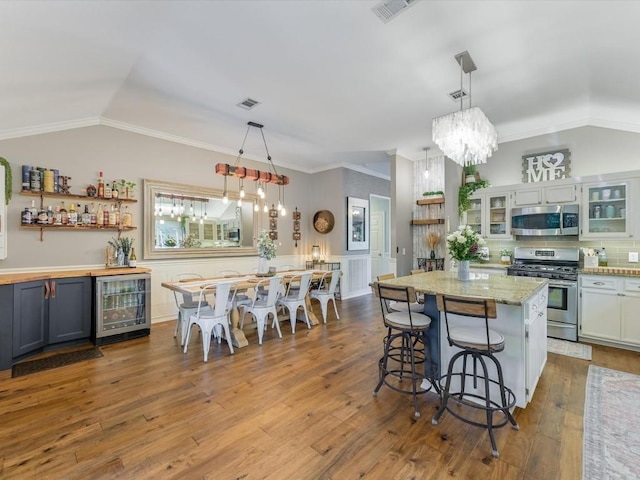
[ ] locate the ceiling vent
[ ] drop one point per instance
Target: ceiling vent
(458, 95)
(248, 103)
(388, 9)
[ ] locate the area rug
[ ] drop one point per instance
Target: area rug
(570, 349)
(53, 361)
(611, 441)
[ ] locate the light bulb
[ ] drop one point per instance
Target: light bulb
(162, 221)
(193, 219)
(255, 207)
(242, 192)
(240, 202)
(201, 221)
(225, 198)
(265, 209)
(279, 205)
(426, 174)
(283, 212)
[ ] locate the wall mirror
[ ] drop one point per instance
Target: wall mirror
(186, 221)
(357, 224)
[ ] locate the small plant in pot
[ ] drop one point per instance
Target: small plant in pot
(469, 173)
(505, 256)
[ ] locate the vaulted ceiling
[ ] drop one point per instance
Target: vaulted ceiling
(336, 85)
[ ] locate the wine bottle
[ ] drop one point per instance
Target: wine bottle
(93, 215)
(133, 260)
(100, 215)
(114, 190)
(101, 186)
(34, 212)
(112, 216)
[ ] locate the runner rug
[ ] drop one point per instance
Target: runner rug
(571, 349)
(53, 361)
(611, 440)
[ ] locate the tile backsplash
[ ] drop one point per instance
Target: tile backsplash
(617, 250)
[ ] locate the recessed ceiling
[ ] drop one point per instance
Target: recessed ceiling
(336, 85)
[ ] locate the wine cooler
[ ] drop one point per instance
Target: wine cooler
(123, 307)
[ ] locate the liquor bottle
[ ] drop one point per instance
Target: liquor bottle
(107, 190)
(86, 216)
(26, 216)
(114, 190)
(63, 214)
(100, 215)
(112, 216)
(34, 212)
(57, 218)
(133, 260)
(117, 215)
(93, 216)
(73, 215)
(100, 186)
(602, 258)
(126, 219)
(105, 216)
(42, 217)
(50, 215)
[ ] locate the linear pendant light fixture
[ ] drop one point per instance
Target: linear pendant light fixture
(262, 178)
(467, 136)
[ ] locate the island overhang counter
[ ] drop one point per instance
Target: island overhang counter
(521, 318)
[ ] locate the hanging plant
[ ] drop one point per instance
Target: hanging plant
(8, 180)
(465, 193)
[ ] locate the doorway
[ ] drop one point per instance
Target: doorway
(380, 235)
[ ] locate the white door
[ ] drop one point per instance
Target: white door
(377, 245)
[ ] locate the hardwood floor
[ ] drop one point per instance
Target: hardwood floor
(294, 408)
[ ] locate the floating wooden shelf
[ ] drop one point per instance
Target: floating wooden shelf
(28, 193)
(430, 201)
(427, 221)
(77, 227)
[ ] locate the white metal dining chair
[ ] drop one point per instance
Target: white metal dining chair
(326, 291)
(209, 319)
(186, 307)
(261, 307)
(294, 298)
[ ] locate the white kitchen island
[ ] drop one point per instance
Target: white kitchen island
(522, 319)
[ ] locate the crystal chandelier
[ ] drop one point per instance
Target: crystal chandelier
(467, 136)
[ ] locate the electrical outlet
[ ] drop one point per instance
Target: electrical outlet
(633, 257)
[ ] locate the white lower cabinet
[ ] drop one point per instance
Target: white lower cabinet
(609, 309)
(535, 339)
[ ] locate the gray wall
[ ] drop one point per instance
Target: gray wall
(594, 151)
(82, 153)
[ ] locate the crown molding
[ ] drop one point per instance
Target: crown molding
(48, 128)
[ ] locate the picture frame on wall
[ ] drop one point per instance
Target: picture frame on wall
(297, 236)
(273, 224)
(357, 224)
(273, 235)
(296, 225)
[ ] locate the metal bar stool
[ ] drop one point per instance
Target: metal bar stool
(478, 344)
(404, 345)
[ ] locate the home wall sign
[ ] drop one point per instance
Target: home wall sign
(542, 167)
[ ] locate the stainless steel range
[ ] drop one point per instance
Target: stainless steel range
(560, 266)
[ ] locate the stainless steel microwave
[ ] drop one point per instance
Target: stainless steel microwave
(545, 220)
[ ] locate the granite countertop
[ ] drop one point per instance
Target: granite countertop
(497, 266)
(504, 289)
(615, 271)
(11, 278)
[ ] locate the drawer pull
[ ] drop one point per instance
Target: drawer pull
(598, 283)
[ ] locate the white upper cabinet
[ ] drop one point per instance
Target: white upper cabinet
(605, 210)
(489, 214)
(549, 195)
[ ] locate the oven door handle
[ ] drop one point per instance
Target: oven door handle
(562, 283)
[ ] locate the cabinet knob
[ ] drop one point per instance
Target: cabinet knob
(598, 283)
(46, 289)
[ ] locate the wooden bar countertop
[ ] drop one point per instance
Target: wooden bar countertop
(510, 290)
(11, 278)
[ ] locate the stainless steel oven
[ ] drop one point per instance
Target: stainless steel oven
(560, 266)
(562, 310)
(545, 220)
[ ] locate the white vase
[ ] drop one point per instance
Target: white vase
(262, 265)
(463, 270)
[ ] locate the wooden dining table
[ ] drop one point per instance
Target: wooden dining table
(191, 288)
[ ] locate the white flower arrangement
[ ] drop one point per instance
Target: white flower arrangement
(465, 243)
(266, 247)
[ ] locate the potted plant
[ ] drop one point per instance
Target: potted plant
(464, 245)
(469, 173)
(505, 256)
(122, 249)
(435, 193)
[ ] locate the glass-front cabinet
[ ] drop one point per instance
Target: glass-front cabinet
(488, 214)
(604, 210)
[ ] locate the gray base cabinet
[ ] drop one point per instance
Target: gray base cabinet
(43, 313)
